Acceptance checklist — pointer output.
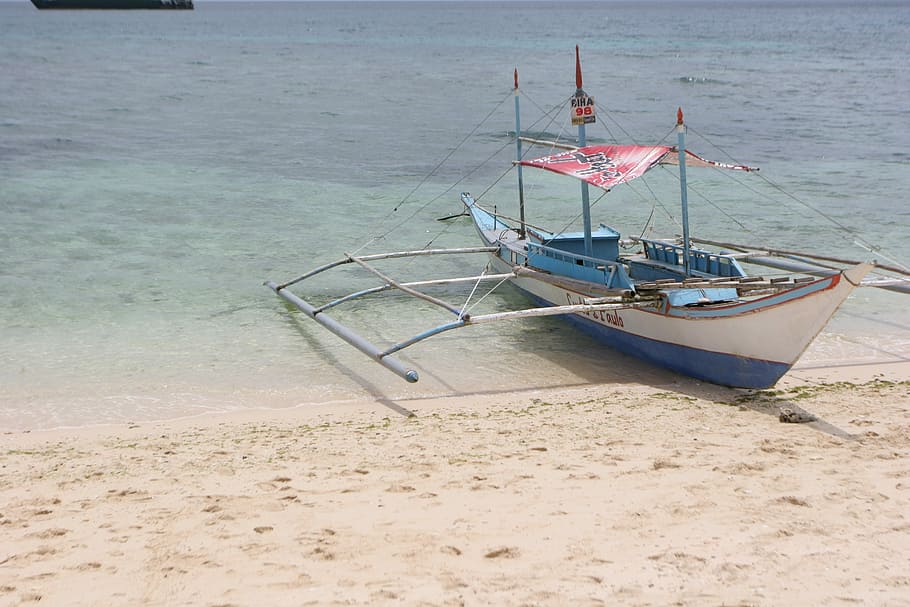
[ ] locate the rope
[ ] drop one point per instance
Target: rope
(493, 288)
(857, 240)
(426, 178)
(464, 308)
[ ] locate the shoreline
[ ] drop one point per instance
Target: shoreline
(344, 376)
(609, 494)
(801, 374)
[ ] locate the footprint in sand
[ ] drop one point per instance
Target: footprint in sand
(792, 500)
(400, 489)
(49, 533)
(502, 553)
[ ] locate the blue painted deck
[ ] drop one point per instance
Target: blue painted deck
(700, 262)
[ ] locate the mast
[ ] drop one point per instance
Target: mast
(681, 145)
(521, 189)
(582, 114)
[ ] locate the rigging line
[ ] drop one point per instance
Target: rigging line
(446, 228)
(709, 201)
(610, 135)
(464, 308)
(603, 111)
(477, 168)
(493, 288)
(455, 149)
(648, 222)
(654, 197)
(491, 186)
(830, 218)
(858, 240)
(552, 119)
(669, 133)
(551, 113)
(430, 174)
(655, 200)
(524, 153)
(578, 216)
(879, 253)
(713, 204)
(644, 182)
(713, 145)
(504, 216)
(531, 99)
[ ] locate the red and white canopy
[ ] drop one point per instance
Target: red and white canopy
(605, 166)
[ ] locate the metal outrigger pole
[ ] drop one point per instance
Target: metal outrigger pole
(522, 233)
(618, 300)
(683, 189)
(354, 339)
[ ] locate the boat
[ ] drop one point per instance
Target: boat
(113, 4)
(681, 303)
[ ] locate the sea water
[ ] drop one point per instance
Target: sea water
(157, 166)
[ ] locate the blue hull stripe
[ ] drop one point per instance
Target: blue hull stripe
(713, 367)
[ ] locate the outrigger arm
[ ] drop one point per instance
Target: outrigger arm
(384, 356)
(359, 342)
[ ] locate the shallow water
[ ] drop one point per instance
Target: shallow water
(155, 169)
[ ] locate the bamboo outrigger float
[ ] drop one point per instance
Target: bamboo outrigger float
(673, 304)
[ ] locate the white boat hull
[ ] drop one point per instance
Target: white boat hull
(748, 344)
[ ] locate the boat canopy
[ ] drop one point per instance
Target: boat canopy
(606, 166)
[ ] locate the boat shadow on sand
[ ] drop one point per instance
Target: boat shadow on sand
(605, 367)
(618, 369)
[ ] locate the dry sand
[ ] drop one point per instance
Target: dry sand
(602, 495)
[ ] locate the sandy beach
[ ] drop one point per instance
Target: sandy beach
(603, 495)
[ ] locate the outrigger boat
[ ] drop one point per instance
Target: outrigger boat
(673, 304)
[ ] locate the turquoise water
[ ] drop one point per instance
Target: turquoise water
(156, 168)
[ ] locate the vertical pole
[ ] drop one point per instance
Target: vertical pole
(684, 200)
(585, 200)
(521, 188)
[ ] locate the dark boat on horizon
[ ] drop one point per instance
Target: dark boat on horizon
(114, 4)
